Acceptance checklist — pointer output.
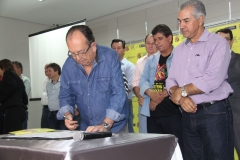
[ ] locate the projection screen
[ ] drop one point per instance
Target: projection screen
(47, 47)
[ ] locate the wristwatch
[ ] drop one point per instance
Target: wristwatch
(184, 93)
(106, 125)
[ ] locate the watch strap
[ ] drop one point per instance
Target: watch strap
(106, 125)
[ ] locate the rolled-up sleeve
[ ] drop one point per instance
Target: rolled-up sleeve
(171, 81)
(216, 71)
(63, 110)
(66, 99)
(118, 96)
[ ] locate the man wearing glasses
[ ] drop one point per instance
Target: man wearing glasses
(92, 79)
(233, 80)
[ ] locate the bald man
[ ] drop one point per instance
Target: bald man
(92, 80)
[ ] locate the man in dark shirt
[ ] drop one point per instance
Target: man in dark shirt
(164, 116)
(233, 80)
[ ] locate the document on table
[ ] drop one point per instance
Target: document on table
(43, 135)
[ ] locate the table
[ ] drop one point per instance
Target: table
(126, 146)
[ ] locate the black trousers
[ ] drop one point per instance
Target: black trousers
(44, 119)
(14, 117)
(1, 121)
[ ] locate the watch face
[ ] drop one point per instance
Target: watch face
(106, 125)
(184, 94)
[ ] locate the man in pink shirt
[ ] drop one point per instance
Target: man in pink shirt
(151, 49)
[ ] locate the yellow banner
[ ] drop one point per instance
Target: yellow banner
(235, 27)
(134, 51)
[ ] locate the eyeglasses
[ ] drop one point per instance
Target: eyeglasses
(228, 39)
(70, 54)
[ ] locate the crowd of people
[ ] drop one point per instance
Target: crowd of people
(191, 91)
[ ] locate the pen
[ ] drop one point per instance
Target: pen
(70, 120)
(66, 118)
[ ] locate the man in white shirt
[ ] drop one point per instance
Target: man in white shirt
(151, 49)
(128, 68)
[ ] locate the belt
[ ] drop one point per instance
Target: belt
(45, 106)
(208, 104)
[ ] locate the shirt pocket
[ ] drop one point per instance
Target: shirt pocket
(152, 73)
(198, 65)
(103, 84)
(75, 87)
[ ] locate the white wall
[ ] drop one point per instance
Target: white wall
(131, 22)
(14, 46)
(131, 25)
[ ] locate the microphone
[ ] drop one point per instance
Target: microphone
(79, 136)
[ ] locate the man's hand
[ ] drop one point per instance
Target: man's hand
(164, 93)
(76, 112)
(69, 123)
(152, 105)
(98, 128)
(188, 105)
(176, 96)
(140, 101)
(155, 96)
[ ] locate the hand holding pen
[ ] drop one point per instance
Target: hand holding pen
(69, 122)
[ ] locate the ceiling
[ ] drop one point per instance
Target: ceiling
(61, 12)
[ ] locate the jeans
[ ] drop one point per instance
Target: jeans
(166, 125)
(235, 106)
(130, 119)
(54, 123)
(142, 122)
(25, 123)
(208, 133)
(44, 119)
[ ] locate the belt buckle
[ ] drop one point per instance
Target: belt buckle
(212, 102)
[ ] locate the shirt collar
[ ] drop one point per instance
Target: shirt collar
(51, 81)
(203, 37)
(124, 60)
(146, 56)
